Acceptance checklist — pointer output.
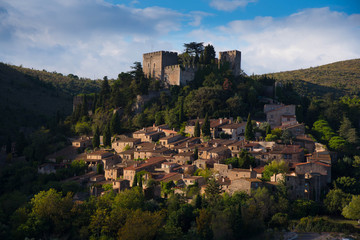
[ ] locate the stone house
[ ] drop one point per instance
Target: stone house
(120, 185)
(296, 129)
(237, 173)
(275, 112)
(115, 171)
(191, 180)
(148, 135)
(145, 153)
(120, 144)
(204, 163)
(290, 153)
(305, 142)
(235, 130)
(82, 142)
(184, 158)
(149, 166)
(165, 141)
(97, 157)
(127, 155)
(244, 184)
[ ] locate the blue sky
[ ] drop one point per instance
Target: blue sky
(94, 38)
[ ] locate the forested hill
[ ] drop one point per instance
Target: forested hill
(339, 77)
(28, 98)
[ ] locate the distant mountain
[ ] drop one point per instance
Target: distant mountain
(29, 98)
(339, 77)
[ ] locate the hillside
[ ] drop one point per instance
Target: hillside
(339, 77)
(28, 98)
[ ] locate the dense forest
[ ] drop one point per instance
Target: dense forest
(42, 206)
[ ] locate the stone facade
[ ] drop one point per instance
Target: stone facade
(154, 63)
(274, 113)
(234, 58)
(163, 66)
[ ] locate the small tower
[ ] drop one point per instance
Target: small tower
(234, 58)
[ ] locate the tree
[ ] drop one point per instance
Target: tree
(115, 125)
(347, 132)
(82, 128)
(337, 143)
(212, 191)
(347, 184)
(203, 224)
(249, 132)
(105, 91)
(141, 225)
(336, 200)
(275, 167)
(100, 168)
(194, 48)
(209, 54)
(352, 211)
(196, 153)
(107, 136)
(181, 111)
(96, 138)
(206, 126)
(268, 129)
(197, 129)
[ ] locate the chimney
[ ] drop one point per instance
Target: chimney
(154, 125)
(251, 169)
(187, 144)
(221, 121)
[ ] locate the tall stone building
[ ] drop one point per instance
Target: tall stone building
(163, 66)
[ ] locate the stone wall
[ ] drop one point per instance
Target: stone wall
(234, 58)
(155, 62)
(178, 75)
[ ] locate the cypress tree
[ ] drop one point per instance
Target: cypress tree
(249, 132)
(107, 136)
(268, 130)
(196, 153)
(115, 124)
(96, 138)
(84, 107)
(206, 126)
(181, 113)
(197, 129)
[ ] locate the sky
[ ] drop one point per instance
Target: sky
(97, 38)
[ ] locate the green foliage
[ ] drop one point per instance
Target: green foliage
(100, 168)
(249, 132)
(197, 129)
(352, 210)
(205, 173)
(323, 131)
(115, 124)
(212, 191)
(206, 126)
(83, 128)
(107, 136)
(203, 224)
(130, 199)
(318, 224)
(347, 132)
(336, 200)
(245, 160)
(347, 185)
(275, 167)
(96, 138)
(337, 143)
(279, 221)
(303, 208)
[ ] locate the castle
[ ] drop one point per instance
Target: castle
(164, 66)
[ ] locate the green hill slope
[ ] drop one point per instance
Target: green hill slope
(29, 98)
(339, 77)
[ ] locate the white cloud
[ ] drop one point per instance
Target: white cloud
(229, 5)
(90, 38)
(308, 38)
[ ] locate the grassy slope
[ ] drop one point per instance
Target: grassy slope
(28, 98)
(339, 77)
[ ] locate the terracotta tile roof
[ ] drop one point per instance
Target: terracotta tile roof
(128, 140)
(233, 125)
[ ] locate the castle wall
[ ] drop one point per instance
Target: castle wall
(234, 58)
(177, 75)
(155, 62)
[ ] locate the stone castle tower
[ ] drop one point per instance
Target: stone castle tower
(234, 58)
(154, 63)
(163, 66)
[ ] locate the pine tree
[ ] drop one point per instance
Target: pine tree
(249, 132)
(197, 129)
(107, 136)
(96, 138)
(115, 124)
(206, 126)
(347, 131)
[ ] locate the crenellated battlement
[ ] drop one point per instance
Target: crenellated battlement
(164, 66)
(157, 53)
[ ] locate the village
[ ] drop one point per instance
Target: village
(162, 160)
